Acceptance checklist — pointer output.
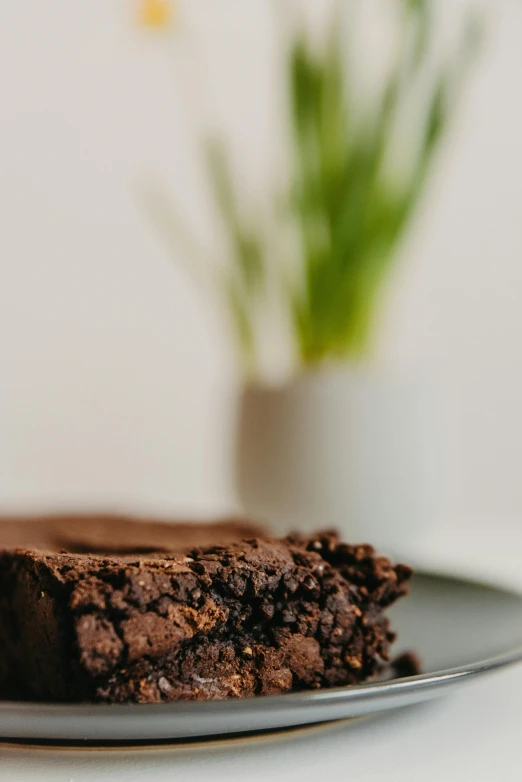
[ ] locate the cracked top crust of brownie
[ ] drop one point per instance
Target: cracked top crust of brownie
(246, 617)
(118, 534)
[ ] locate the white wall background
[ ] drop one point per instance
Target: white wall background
(114, 368)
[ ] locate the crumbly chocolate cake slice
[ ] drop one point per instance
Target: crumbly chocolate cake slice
(259, 616)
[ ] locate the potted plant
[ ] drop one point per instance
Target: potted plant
(332, 441)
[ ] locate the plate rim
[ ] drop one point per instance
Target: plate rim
(352, 692)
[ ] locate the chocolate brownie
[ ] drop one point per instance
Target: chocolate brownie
(258, 616)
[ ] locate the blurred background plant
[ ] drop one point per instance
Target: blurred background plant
(358, 160)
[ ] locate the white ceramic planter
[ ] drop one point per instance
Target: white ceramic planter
(356, 449)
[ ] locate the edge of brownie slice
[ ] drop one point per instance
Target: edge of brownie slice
(107, 534)
(260, 616)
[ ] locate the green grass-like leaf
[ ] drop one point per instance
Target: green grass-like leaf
(349, 213)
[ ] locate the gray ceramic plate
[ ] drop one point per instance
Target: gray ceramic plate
(459, 628)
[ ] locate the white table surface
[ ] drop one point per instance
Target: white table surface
(473, 734)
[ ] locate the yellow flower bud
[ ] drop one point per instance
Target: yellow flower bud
(156, 14)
